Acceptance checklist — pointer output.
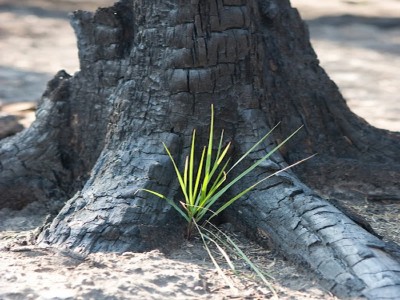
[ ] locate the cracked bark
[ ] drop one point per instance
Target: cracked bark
(149, 72)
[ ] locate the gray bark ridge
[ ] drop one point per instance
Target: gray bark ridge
(149, 72)
(286, 214)
(26, 158)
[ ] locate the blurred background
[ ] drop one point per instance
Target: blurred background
(357, 43)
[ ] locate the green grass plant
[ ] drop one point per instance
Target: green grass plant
(204, 182)
(203, 186)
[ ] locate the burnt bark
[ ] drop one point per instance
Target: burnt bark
(149, 72)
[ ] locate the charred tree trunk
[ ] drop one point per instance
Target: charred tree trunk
(149, 72)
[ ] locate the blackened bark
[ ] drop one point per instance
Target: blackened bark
(149, 72)
(31, 162)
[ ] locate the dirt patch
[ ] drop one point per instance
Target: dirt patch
(36, 42)
(31, 272)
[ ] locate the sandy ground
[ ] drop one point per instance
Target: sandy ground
(361, 54)
(358, 44)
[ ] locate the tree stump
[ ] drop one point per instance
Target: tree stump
(149, 71)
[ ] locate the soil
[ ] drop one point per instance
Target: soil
(358, 45)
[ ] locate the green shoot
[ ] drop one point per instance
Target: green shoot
(203, 186)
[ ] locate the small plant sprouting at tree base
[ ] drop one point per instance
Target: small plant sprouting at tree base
(203, 186)
(204, 183)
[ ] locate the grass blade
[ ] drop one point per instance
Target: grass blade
(220, 178)
(242, 255)
(185, 174)
(199, 172)
(219, 160)
(217, 183)
(170, 202)
(248, 170)
(228, 203)
(222, 251)
(178, 174)
(191, 169)
(252, 148)
(219, 145)
(209, 154)
(217, 267)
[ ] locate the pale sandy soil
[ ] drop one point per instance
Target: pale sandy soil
(361, 53)
(36, 41)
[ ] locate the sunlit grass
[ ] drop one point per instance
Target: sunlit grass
(204, 181)
(203, 186)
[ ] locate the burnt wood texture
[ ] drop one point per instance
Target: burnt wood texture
(149, 71)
